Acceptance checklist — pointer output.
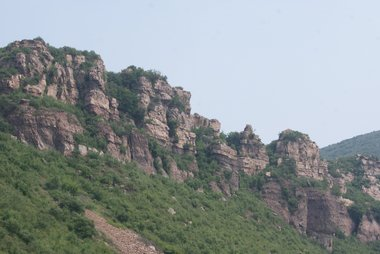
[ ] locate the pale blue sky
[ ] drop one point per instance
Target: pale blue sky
(309, 65)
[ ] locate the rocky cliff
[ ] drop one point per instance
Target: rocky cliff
(64, 99)
(297, 146)
(79, 78)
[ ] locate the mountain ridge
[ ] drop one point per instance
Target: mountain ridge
(65, 100)
(366, 144)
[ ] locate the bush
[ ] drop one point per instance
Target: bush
(292, 136)
(335, 190)
(82, 227)
(233, 140)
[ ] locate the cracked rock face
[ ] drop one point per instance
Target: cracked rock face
(369, 229)
(304, 152)
(371, 169)
(46, 129)
(39, 73)
(318, 214)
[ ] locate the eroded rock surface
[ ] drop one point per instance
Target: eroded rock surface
(318, 214)
(304, 152)
(46, 129)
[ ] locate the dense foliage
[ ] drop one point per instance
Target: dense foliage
(367, 144)
(51, 192)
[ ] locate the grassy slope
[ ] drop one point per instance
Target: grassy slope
(43, 195)
(367, 144)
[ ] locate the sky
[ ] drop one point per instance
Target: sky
(311, 66)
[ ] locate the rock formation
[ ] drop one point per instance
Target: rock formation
(46, 129)
(166, 133)
(68, 77)
(318, 214)
(371, 168)
(303, 151)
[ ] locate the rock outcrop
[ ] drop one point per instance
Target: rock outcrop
(369, 229)
(249, 157)
(46, 129)
(371, 169)
(303, 151)
(69, 77)
(318, 214)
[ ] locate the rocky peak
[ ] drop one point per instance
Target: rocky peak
(298, 146)
(65, 74)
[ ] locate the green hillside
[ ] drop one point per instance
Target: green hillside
(366, 144)
(46, 193)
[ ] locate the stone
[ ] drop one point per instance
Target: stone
(46, 129)
(304, 152)
(140, 151)
(83, 150)
(171, 211)
(369, 229)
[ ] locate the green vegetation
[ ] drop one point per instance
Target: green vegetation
(7, 72)
(233, 140)
(363, 203)
(120, 87)
(59, 55)
(292, 136)
(367, 144)
(46, 193)
(177, 103)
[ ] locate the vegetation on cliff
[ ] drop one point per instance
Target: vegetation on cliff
(218, 207)
(52, 190)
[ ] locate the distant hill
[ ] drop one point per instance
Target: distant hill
(366, 144)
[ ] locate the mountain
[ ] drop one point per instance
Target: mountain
(366, 144)
(92, 160)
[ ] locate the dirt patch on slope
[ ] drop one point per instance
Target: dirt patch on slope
(125, 240)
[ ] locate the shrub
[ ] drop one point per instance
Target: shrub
(292, 136)
(82, 227)
(233, 140)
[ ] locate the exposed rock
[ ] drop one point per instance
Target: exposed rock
(252, 153)
(318, 214)
(117, 147)
(126, 241)
(326, 214)
(202, 122)
(272, 195)
(225, 155)
(46, 128)
(171, 211)
(36, 90)
(369, 229)
(371, 167)
(140, 151)
(178, 174)
(66, 82)
(10, 84)
(304, 152)
(83, 150)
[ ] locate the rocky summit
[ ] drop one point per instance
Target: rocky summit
(65, 100)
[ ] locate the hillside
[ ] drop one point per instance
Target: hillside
(78, 142)
(366, 144)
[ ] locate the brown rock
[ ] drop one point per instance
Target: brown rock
(318, 214)
(304, 152)
(46, 128)
(371, 167)
(140, 152)
(369, 229)
(252, 153)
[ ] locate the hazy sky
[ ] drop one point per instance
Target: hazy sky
(308, 65)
